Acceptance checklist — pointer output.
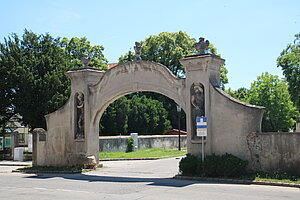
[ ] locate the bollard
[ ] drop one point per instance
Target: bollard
(134, 136)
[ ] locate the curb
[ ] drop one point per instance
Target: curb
(238, 181)
(14, 164)
(124, 159)
(150, 158)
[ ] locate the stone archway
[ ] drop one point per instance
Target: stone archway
(72, 131)
(127, 78)
(132, 77)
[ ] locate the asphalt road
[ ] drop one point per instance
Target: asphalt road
(132, 180)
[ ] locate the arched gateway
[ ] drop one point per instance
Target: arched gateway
(72, 131)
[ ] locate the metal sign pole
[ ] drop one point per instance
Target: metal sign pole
(179, 112)
(201, 126)
(202, 148)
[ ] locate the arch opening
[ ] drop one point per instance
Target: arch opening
(144, 112)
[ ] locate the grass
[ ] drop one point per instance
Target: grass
(276, 177)
(278, 180)
(264, 176)
(144, 153)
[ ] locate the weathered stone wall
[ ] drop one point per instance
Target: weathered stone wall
(119, 143)
(231, 122)
(275, 152)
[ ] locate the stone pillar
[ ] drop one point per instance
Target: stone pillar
(84, 137)
(29, 143)
(14, 142)
(15, 139)
(39, 153)
(34, 147)
(201, 72)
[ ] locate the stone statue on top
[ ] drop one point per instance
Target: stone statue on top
(202, 45)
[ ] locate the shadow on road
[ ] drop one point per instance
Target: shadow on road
(92, 178)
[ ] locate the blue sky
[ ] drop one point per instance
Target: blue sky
(248, 34)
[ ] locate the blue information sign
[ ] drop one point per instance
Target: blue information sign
(201, 126)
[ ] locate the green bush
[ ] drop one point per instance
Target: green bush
(226, 165)
(188, 165)
(233, 166)
(130, 145)
(199, 168)
(212, 166)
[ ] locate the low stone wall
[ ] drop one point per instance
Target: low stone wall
(119, 143)
(275, 152)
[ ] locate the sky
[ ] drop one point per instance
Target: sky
(249, 34)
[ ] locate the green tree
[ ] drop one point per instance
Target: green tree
(271, 92)
(241, 94)
(289, 61)
(147, 116)
(168, 48)
(76, 47)
(114, 120)
(170, 106)
(35, 79)
(6, 94)
(134, 114)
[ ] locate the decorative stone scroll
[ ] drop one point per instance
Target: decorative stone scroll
(79, 116)
(197, 105)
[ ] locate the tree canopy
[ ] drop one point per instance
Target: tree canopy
(134, 114)
(33, 79)
(272, 93)
(76, 47)
(289, 61)
(168, 48)
(240, 94)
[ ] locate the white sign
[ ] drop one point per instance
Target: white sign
(201, 126)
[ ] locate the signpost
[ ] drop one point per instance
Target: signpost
(179, 111)
(201, 127)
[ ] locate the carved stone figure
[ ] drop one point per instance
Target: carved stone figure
(85, 60)
(202, 45)
(79, 134)
(197, 105)
(138, 50)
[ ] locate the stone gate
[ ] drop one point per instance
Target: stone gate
(73, 131)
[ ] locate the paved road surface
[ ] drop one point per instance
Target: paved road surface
(132, 180)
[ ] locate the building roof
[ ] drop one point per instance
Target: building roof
(111, 65)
